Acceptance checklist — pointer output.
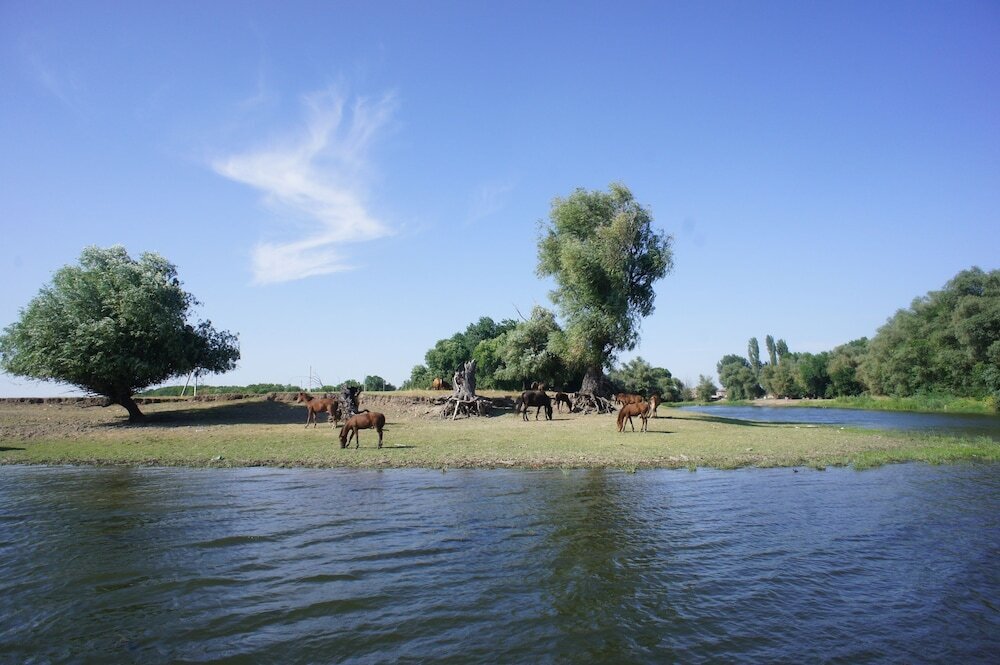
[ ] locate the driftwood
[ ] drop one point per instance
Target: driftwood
(349, 401)
(588, 402)
(464, 399)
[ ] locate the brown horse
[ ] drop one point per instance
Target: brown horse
(628, 398)
(655, 401)
(316, 405)
(537, 398)
(364, 420)
(640, 409)
(563, 398)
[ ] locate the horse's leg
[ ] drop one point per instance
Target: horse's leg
(379, 437)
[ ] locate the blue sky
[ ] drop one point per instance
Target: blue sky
(315, 170)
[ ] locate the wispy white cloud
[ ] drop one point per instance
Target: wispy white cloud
(60, 81)
(315, 176)
(488, 199)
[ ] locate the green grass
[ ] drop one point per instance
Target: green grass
(263, 433)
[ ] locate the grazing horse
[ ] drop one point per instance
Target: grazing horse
(628, 398)
(640, 409)
(655, 401)
(364, 420)
(537, 398)
(563, 398)
(315, 405)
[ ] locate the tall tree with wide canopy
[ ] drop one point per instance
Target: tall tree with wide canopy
(605, 256)
(113, 326)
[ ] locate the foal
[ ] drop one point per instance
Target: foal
(563, 398)
(316, 405)
(654, 402)
(640, 409)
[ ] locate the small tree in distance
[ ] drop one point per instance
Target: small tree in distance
(706, 388)
(113, 326)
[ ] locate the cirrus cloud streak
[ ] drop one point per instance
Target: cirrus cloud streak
(314, 179)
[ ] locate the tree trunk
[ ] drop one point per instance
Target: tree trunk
(465, 381)
(464, 398)
(594, 393)
(349, 401)
(134, 414)
(595, 383)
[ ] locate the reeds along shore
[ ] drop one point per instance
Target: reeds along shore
(256, 432)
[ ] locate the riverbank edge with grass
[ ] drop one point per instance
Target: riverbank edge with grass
(257, 432)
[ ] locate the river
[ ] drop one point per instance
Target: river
(936, 423)
(155, 565)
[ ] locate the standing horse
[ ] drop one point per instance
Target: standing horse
(315, 405)
(563, 398)
(640, 409)
(364, 420)
(628, 398)
(535, 398)
(655, 401)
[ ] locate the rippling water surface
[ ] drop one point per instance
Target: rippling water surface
(897, 564)
(936, 423)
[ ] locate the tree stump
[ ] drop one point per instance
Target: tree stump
(464, 399)
(349, 401)
(588, 402)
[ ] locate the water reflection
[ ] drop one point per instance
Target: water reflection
(173, 565)
(594, 584)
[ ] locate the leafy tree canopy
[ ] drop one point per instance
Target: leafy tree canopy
(448, 354)
(639, 377)
(532, 350)
(946, 342)
(706, 388)
(737, 376)
(113, 326)
(376, 382)
(605, 256)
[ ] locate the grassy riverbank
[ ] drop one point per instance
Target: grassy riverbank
(266, 433)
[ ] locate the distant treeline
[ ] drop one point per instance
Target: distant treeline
(373, 382)
(945, 343)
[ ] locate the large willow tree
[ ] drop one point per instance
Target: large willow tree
(605, 256)
(113, 326)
